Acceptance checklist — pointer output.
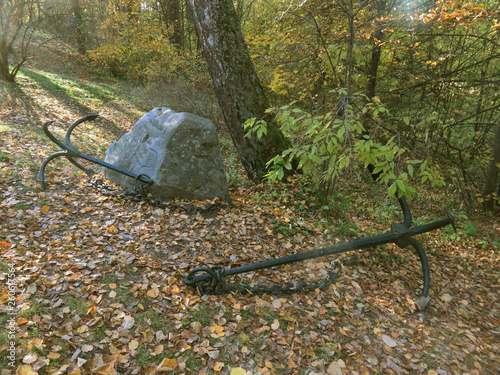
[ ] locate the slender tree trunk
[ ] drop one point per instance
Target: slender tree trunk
(172, 17)
(80, 36)
(492, 183)
(236, 84)
(373, 68)
(376, 54)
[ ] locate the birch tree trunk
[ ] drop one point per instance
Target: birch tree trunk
(236, 84)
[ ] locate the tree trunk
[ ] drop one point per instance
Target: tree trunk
(80, 36)
(376, 54)
(172, 17)
(492, 184)
(236, 84)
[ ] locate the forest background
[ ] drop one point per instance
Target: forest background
(410, 87)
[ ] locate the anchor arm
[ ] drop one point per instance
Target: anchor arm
(47, 132)
(74, 125)
(72, 152)
(424, 299)
(41, 173)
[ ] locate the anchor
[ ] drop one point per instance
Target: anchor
(212, 280)
(71, 152)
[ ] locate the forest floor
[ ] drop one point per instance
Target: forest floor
(98, 282)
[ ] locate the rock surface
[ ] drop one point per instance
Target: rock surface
(180, 152)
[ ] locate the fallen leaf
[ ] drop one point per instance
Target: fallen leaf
(167, 365)
(389, 341)
(218, 366)
(30, 358)
(31, 288)
(275, 325)
(154, 292)
(238, 371)
(334, 369)
(41, 362)
(158, 349)
(82, 329)
(87, 348)
(6, 245)
(447, 298)
(53, 355)
(134, 344)
(26, 370)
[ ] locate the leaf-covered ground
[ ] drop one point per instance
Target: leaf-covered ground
(97, 283)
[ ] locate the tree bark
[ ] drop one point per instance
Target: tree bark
(492, 184)
(80, 36)
(236, 84)
(172, 17)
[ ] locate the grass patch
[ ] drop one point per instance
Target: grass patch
(22, 206)
(36, 309)
(204, 314)
(4, 157)
(78, 305)
(154, 319)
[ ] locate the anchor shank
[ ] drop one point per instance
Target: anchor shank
(359, 243)
(102, 163)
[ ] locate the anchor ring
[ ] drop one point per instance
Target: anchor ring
(149, 183)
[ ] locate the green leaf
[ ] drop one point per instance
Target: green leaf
(280, 174)
(392, 190)
(401, 186)
(377, 170)
(315, 158)
(250, 122)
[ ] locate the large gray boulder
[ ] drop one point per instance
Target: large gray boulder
(179, 151)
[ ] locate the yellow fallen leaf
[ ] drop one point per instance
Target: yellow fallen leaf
(45, 209)
(219, 330)
(91, 310)
(134, 344)
(112, 286)
(82, 329)
(53, 355)
(112, 229)
(167, 365)
(238, 371)
(275, 325)
(26, 370)
(196, 327)
(154, 292)
(218, 366)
